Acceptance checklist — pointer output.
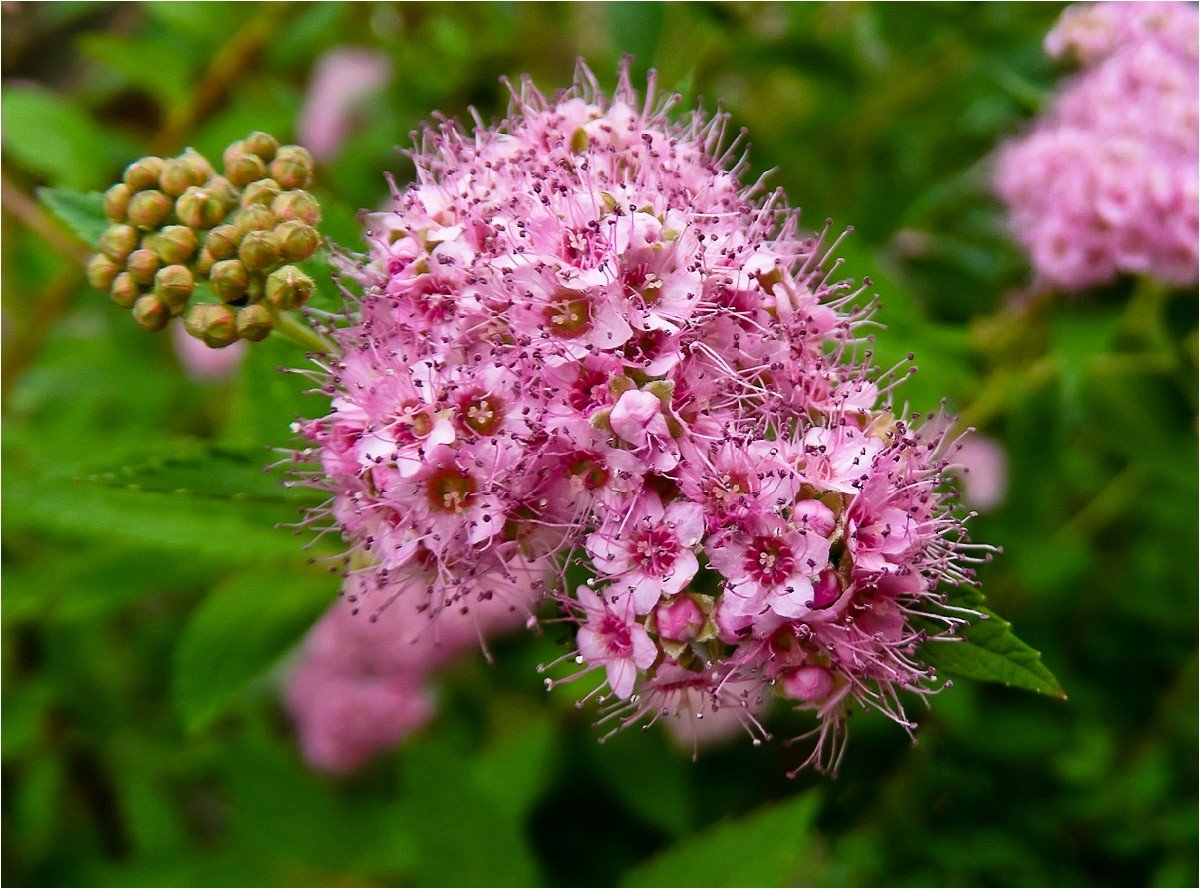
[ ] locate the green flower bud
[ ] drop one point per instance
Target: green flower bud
(204, 263)
(289, 288)
(143, 173)
(298, 205)
(149, 209)
(174, 244)
(200, 208)
(222, 241)
(225, 191)
(229, 279)
(118, 241)
(101, 270)
(254, 322)
(264, 191)
(242, 168)
(150, 313)
(297, 241)
(116, 202)
(215, 325)
(199, 167)
(173, 285)
(124, 290)
(292, 167)
(262, 144)
(258, 251)
(176, 177)
(142, 264)
(256, 217)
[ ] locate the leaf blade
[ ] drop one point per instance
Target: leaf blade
(83, 212)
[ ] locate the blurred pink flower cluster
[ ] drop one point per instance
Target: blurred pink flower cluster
(1106, 182)
(583, 342)
(362, 685)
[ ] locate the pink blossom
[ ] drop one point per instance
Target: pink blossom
(1105, 183)
(583, 342)
(202, 363)
(341, 79)
(609, 636)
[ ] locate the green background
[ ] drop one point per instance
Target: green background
(149, 604)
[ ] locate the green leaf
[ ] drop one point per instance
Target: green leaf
(51, 136)
(769, 847)
(156, 64)
(464, 836)
(990, 651)
(82, 211)
(238, 633)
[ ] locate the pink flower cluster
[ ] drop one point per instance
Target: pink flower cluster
(361, 685)
(582, 339)
(1106, 182)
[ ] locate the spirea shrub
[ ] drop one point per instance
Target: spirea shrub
(1105, 183)
(581, 338)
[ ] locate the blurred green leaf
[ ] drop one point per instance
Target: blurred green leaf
(238, 632)
(83, 212)
(49, 135)
(464, 836)
(155, 64)
(990, 651)
(769, 847)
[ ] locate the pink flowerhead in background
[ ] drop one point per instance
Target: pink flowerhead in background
(1106, 181)
(200, 362)
(341, 79)
(583, 342)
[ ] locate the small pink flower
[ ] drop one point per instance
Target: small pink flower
(610, 637)
(637, 418)
(649, 553)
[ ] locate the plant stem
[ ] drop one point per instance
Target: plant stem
(292, 327)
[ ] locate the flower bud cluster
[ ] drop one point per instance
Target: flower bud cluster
(1106, 182)
(175, 226)
(581, 338)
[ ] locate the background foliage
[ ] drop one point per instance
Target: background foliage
(149, 605)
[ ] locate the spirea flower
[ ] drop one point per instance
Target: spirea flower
(582, 338)
(1106, 181)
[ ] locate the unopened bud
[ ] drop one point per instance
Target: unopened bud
(144, 173)
(200, 208)
(150, 313)
(116, 202)
(223, 190)
(142, 264)
(256, 217)
(176, 177)
(242, 168)
(173, 285)
(679, 619)
(297, 241)
(204, 263)
(229, 279)
(222, 241)
(292, 167)
(174, 244)
(289, 288)
(118, 241)
(298, 205)
(149, 209)
(808, 684)
(263, 144)
(254, 322)
(258, 251)
(101, 271)
(215, 325)
(199, 167)
(263, 191)
(124, 290)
